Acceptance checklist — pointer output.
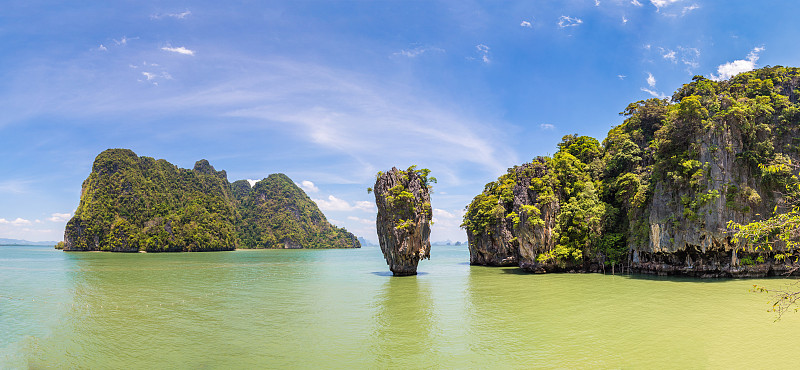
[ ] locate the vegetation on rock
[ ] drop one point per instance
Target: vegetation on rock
(131, 203)
(663, 185)
(404, 217)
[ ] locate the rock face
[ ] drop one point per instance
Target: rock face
(658, 195)
(404, 218)
(131, 204)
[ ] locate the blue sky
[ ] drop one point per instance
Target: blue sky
(330, 92)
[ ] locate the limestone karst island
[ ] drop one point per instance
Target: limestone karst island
(130, 204)
(702, 186)
(404, 217)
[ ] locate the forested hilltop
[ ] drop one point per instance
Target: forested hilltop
(659, 193)
(131, 203)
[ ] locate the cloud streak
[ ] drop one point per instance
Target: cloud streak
(179, 50)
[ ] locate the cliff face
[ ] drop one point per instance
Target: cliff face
(658, 194)
(404, 216)
(130, 204)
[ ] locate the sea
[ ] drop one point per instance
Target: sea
(342, 309)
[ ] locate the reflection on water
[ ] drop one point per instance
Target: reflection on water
(301, 308)
(403, 321)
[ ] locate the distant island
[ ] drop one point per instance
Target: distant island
(130, 204)
(670, 191)
(4, 241)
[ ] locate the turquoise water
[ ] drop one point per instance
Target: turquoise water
(343, 309)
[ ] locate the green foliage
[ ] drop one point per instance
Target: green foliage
(599, 195)
(402, 202)
(131, 203)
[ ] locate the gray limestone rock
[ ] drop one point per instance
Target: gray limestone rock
(404, 219)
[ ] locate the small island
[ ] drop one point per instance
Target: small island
(404, 217)
(132, 204)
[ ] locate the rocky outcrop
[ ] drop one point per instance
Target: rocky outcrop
(658, 195)
(131, 204)
(404, 218)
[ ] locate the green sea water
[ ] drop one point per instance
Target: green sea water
(342, 309)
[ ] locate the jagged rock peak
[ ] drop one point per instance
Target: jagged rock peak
(404, 217)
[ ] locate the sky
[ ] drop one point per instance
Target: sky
(331, 92)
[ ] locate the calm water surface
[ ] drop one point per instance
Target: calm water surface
(342, 309)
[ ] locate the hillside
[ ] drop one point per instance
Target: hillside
(131, 203)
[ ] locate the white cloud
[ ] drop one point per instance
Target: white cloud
(654, 93)
(335, 204)
(415, 52)
(689, 8)
(483, 50)
(668, 55)
(17, 222)
(526, 24)
(689, 57)
(565, 21)
(621, 77)
(60, 217)
(636, 2)
(730, 69)
(149, 75)
(180, 15)
(252, 182)
(547, 126)
(651, 80)
(179, 50)
(662, 3)
(309, 186)
(361, 220)
(442, 213)
(596, 2)
(365, 206)
(624, 20)
(102, 48)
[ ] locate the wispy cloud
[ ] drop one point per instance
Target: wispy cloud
(654, 93)
(686, 55)
(687, 9)
(179, 50)
(102, 48)
(344, 112)
(417, 51)
(59, 217)
(526, 24)
(124, 40)
(624, 20)
(730, 69)
(483, 51)
(180, 15)
(566, 21)
(621, 77)
(14, 186)
(547, 126)
(636, 3)
(668, 55)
